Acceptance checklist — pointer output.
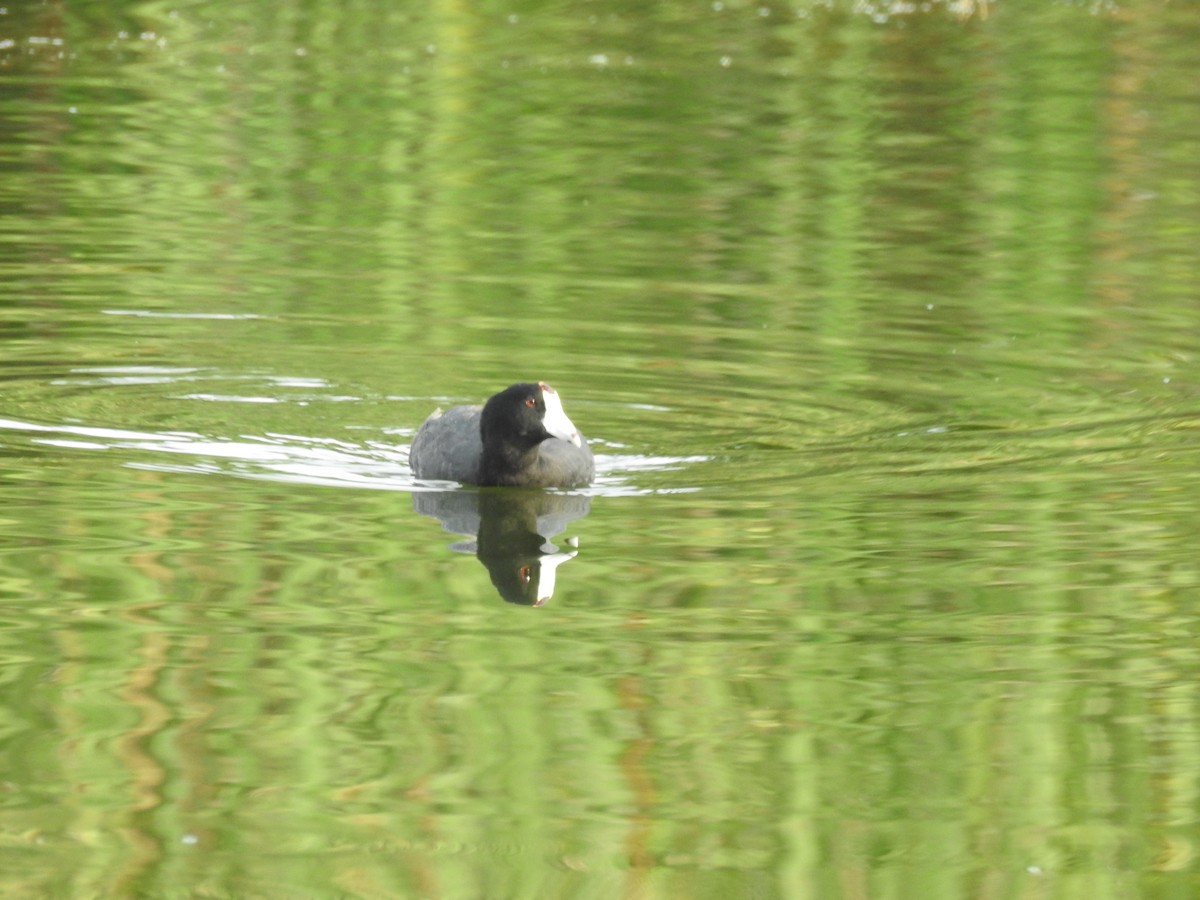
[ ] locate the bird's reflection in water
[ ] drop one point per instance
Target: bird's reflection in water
(512, 528)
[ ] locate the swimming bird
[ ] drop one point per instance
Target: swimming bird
(520, 437)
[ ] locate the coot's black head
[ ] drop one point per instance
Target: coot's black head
(522, 416)
(528, 441)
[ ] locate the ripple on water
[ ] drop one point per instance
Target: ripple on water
(305, 459)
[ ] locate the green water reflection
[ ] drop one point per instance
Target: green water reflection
(885, 326)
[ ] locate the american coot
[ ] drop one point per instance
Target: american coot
(521, 437)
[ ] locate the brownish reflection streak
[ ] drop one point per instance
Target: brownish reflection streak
(636, 845)
(419, 863)
(148, 773)
(631, 697)
(200, 788)
(1125, 140)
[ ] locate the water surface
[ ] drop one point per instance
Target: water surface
(884, 325)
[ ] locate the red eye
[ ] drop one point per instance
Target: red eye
(524, 574)
(529, 401)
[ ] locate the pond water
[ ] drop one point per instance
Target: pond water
(883, 320)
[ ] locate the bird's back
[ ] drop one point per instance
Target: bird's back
(448, 447)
